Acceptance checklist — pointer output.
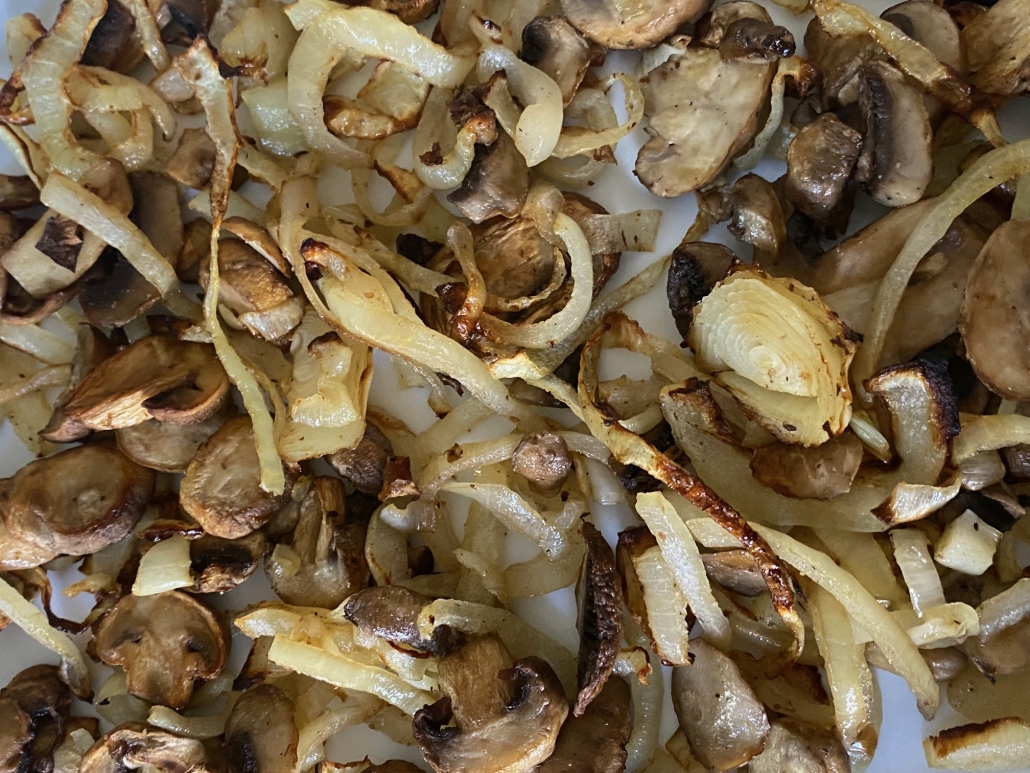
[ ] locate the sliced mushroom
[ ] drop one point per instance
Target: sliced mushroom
(164, 446)
(221, 489)
(1003, 644)
(165, 643)
(92, 348)
(193, 160)
(364, 464)
(819, 164)
(16, 554)
(703, 110)
(156, 212)
(493, 717)
(711, 28)
(997, 44)
(695, 269)
(554, 47)
(331, 547)
(624, 24)
(260, 733)
(195, 252)
(792, 746)
(112, 44)
(931, 25)
(33, 712)
(735, 570)
(595, 742)
(725, 723)
(17, 193)
(156, 377)
(544, 460)
(897, 162)
(391, 612)
(77, 501)
(994, 320)
(218, 565)
(600, 605)
(497, 183)
(821, 472)
(839, 59)
(135, 746)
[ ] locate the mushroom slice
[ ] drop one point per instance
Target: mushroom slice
(735, 570)
(1003, 644)
(792, 746)
(822, 472)
(77, 501)
(994, 320)
(165, 643)
(218, 565)
(595, 742)
(497, 183)
(625, 24)
(599, 597)
(260, 734)
(92, 348)
(156, 212)
(554, 47)
(114, 293)
(997, 44)
(331, 548)
(112, 44)
(933, 26)
(695, 269)
(364, 464)
(408, 11)
(544, 460)
(193, 160)
(221, 489)
(897, 162)
(725, 723)
(135, 746)
(391, 612)
(164, 446)
(819, 164)
(195, 252)
(33, 711)
(156, 377)
(839, 59)
(17, 193)
(703, 111)
(16, 554)
(493, 718)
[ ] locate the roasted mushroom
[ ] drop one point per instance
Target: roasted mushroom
(166, 446)
(736, 570)
(931, 25)
(391, 612)
(494, 716)
(695, 269)
(17, 193)
(113, 292)
(720, 714)
(218, 565)
(799, 748)
(496, 184)
(112, 44)
(330, 545)
(221, 489)
(599, 600)
(165, 643)
(822, 472)
(76, 502)
(595, 742)
(193, 160)
(364, 464)
(621, 24)
(260, 733)
(544, 460)
(33, 711)
(1003, 644)
(135, 746)
(819, 164)
(554, 47)
(408, 11)
(997, 45)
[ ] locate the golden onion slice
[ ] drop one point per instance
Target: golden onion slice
(780, 351)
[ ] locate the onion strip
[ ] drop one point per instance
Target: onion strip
(576, 140)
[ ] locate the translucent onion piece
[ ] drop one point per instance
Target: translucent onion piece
(165, 567)
(666, 607)
(912, 555)
(575, 140)
(457, 161)
(149, 34)
(41, 344)
(647, 706)
(68, 756)
(541, 575)
(946, 625)
(861, 555)
(203, 728)
(162, 114)
(1001, 744)
(386, 551)
(631, 231)
(31, 620)
(277, 130)
(988, 433)
(55, 375)
(356, 710)
(1005, 609)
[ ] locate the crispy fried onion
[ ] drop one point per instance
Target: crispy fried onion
(200, 69)
(989, 171)
(577, 140)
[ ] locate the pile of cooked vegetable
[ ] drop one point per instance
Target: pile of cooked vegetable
(227, 207)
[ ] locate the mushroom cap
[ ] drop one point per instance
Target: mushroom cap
(16, 554)
(496, 184)
(819, 163)
(735, 570)
(623, 24)
(364, 464)
(77, 501)
(218, 565)
(164, 445)
(157, 377)
(33, 710)
(260, 734)
(819, 472)
(544, 460)
(695, 269)
(554, 47)
(801, 748)
(165, 643)
(595, 742)
(391, 612)
(134, 745)
(599, 596)
(221, 489)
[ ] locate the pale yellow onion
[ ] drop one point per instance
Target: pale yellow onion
(988, 433)
(666, 607)
(455, 162)
(356, 710)
(1002, 744)
(149, 34)
(647, 706)
(165, 567)
(203, 728)
(41, 344)
(54, 375)
(576, 140)
(912, 554)
(159, 109)
(277, 130)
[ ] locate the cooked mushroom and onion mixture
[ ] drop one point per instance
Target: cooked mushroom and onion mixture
(324, 294)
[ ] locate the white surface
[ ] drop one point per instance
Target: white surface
(899, 748)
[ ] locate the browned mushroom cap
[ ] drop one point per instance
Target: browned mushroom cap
(164, 446)
(819, 164)
(193, 160)
(112, 44)
(76, 502)
(17, 193)
(599, 601)
(493, 718)
(135, 746)
(792, 746)
(554, 47)
(113, 292)
(819, 472)
(735, 570)
(165, 643)
(156, 211)
(497, 183)
(391, 612)
(997, 44)
(703, 110)
(839, 59)
(331, 548)
(896, 162)
(364, 464)
(725, 723)
(92, 348)
(221, 489)
(596, 741)
(33, 710)
(741, 28)
(260, 734)
(695, 269)
(156, 377)
(622, 24)
(218, 565)
(994, 320)
(17, 554)
(544, 460)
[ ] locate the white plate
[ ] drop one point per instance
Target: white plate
(903, 729)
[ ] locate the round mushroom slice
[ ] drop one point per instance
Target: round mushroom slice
(544, 460)
(626, 24)
(931, 25)
(596, 741)
(135, 746)
(222, 487)
(165, 643)
(16, 554)
(493, 718)
(76, 502)
(799, 747)
(260, 734)
(33, 710)
(554, 47)
(218, 565)
(155, 378)
(163, 445)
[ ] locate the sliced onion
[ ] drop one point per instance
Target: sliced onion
(1001, 744)
(203, 728)
(647, 697)
(666, 606)
(53, 376)
(149, 34)
(41, 344)
(576, 140)
(357, 710)
(988, 433)
(166, 566)
(456, 162)
(912, 554)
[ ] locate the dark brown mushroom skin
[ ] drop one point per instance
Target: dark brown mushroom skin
(193, 160)
(595, 742)
(544, 460)
(77, 501)
(820, 472)
(165, 643)
(695, 269)
(92, 348)
(735, 570)
(111, 44)
(218, 565)
(17, 192)
(820, 160)
(633, 542)
(113, 292)
(600, 605)
(496, 184)
(260, 733)
(556, 48)
(391, 612)
(364, 464)
(754, 38)
(33, 712)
